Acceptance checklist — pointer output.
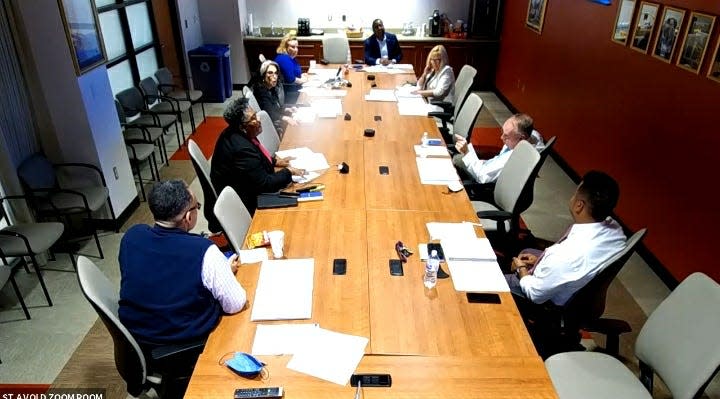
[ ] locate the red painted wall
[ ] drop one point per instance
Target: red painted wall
(651, 125)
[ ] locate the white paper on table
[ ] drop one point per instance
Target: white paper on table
(310, 162)
(298, 152)
(432, 151)
(284, 290)
(320, 92)
(381, 95)
(401, 66)
(306, 178)
(458, 231)
(415, 106)
(327, 107)
(281, 339)
(467, 249)
(329, 355)
(436, 171)
(477, 276)
(253, 255)
(304, 115)
(405, 91)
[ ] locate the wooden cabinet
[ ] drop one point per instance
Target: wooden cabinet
(481, 54)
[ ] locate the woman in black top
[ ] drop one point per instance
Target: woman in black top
(270, 95)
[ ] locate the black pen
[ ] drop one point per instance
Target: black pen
(306, 189)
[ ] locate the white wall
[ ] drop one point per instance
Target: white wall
(81, 110)
(393, 13)
(222, 21)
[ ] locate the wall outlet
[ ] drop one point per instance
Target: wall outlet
(115, 172)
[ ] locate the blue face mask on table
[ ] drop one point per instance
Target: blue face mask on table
(245, 364)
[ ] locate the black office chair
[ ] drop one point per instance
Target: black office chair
(559, 326)
(51, 199)
(135, 366)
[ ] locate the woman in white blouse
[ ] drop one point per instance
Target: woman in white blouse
(437, 82)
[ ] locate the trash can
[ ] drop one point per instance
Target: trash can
(210, 66)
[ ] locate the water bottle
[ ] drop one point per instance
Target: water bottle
(431, 268)
(424, 139)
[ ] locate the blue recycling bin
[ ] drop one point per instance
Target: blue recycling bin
(211, 71)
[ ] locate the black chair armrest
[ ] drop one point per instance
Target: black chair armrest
(609, 326)
(82, 165)
(445, 116)
(498, 216)
(446, 106)
(479, 191)
(62, 190)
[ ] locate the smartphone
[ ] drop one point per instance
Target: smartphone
(377, 118)
(371, 380)
(483, 297)
(339, 266)
(437, 247)
(396, 267)
(384, 170)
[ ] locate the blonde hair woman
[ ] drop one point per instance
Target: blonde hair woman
(438, 80)
(289, 66)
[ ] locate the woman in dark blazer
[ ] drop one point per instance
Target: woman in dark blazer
(241, 162)
(269, 94)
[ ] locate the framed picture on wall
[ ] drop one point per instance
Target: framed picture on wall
(536, 14)
(83, 33)
(714, 71)
(644, 25)
(668, 31)
(695, 42)
(623, 21)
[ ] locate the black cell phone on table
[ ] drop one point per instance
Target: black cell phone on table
(483, 297)
(396, 267)
(339, 266)
(384, 170)
(371, 380)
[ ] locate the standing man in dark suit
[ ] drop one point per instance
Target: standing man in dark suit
(382, 48)
(242, 162)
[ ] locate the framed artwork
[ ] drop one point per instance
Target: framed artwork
(668, 31)
(714, 71)
(623, 21)
(695, 42)
(83, 33)
(536, 15)
(644, 25)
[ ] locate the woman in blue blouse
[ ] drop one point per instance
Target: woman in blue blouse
(290, 67)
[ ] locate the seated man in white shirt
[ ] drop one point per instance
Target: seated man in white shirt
(563, 268)
(517, 128)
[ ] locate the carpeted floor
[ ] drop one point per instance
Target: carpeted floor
(205, 136)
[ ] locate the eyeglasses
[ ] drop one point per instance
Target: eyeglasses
(402, 251)
(271, 73)
(194, 207)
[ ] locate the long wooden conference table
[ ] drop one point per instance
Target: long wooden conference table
(433, 342)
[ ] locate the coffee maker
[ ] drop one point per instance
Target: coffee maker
(303, 27)
(434, 23)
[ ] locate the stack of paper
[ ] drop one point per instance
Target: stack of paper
(281, 339)
(415, 106)
(392, 68)
(329, 355)
(431, 151)
(320, 92)
(436, 171)
(381, 95)
(327, 107)
(473, 265)
(305, 158)
(294, 279)
(304, 115)
(458, 231)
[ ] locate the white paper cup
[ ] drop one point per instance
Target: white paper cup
(277, 242)
(312, 63)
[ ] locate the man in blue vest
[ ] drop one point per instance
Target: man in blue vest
(174, 285)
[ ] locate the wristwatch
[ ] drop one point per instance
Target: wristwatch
(517, 270)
